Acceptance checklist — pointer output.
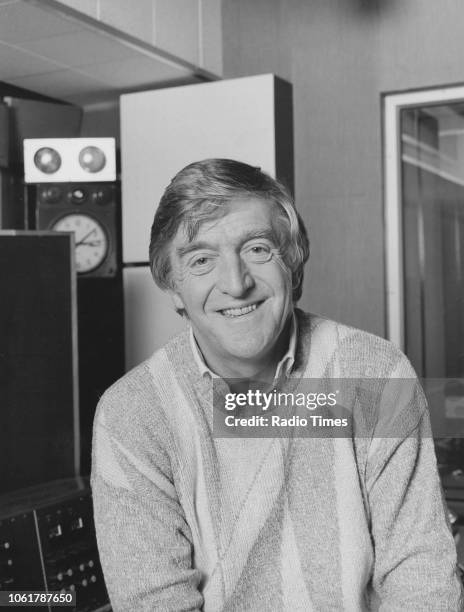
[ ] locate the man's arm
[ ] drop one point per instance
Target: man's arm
(143, 538)
(415, 554)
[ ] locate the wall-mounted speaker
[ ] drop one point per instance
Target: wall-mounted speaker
(92, 212)
(65, 160)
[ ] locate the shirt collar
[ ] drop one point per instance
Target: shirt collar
(284, 367)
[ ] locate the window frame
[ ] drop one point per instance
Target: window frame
(392, 105)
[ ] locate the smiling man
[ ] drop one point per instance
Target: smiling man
(236, 289)
(187, 520)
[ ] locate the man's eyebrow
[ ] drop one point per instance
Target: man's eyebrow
(193, 246)
(267, 233)
(199, 245)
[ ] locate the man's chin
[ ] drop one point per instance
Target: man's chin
(243, 350)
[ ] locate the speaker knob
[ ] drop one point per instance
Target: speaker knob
(78, 195)
(51, 195)
(102, 196)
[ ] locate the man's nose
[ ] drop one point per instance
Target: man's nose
(234, 277)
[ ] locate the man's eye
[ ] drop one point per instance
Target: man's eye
(201, 261)
(258, 253)
(200, 265)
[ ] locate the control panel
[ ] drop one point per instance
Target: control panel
(53, 548)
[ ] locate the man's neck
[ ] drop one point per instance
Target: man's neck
(251, 369)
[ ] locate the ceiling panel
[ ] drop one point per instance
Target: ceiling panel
(20, 22)
(14, 62)
(59, 84)
(134, 72)
(80, 48)
(81, 60)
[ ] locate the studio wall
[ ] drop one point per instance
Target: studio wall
(340, 56)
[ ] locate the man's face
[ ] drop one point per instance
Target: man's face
(233, 284)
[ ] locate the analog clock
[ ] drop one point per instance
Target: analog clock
(91, 241)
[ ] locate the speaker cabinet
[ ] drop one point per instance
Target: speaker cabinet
(101, 348)
(92, 212)
(39, 432)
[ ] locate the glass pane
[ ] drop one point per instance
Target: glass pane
(433, 237)
(432, 171)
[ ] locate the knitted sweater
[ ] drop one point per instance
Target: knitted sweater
(186, 521)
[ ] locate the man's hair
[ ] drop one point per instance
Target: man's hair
(201, 192)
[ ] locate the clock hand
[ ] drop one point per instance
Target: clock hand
(86, 236)
(86, 243)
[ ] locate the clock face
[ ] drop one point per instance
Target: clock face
(91, 242)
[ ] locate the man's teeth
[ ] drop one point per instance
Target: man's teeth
(238, 312)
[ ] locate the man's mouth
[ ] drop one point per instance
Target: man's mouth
(239, 312)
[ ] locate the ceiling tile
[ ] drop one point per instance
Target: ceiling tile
(59, 83)
(80, 48)
(45, 51)
(135, 72)
(20, 22)
(18, 63)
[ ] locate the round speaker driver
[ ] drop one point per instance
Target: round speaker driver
(92, 159)
(47, 160)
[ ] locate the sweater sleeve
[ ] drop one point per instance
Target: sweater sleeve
(415, 554)
(144, 541)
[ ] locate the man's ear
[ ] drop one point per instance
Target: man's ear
(176, 300)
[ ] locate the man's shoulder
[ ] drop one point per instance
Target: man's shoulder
(122, 403)
(137, 391)
(357, 352)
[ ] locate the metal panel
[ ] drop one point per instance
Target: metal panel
(211, 35)
(135, 18)
(176, 28)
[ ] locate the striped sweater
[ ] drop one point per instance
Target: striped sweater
(186, 521)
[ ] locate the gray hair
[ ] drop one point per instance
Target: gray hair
(201, 191)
